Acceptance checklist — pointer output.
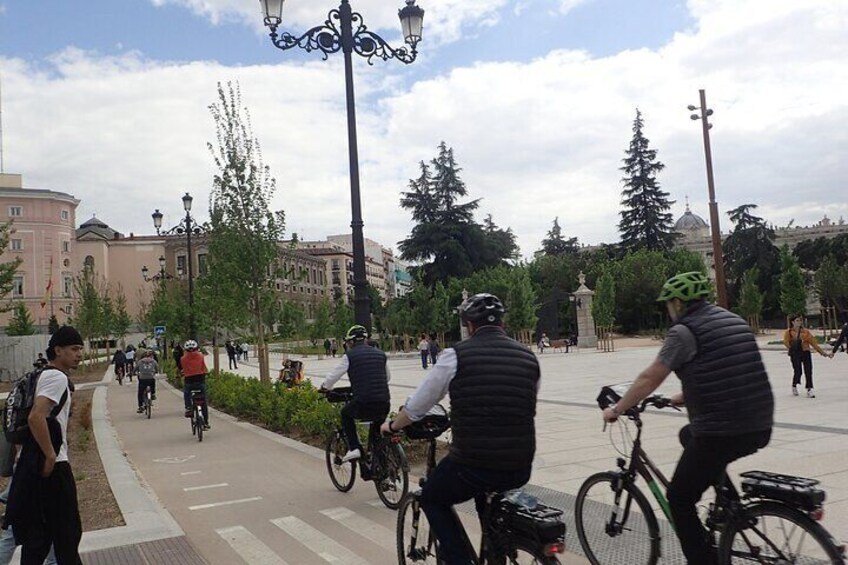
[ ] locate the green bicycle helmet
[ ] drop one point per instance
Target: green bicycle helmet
(356, 333)
(685, 286)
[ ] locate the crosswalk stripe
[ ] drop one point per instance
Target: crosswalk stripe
(361, 525)
(322, 545)
(249, 547)
(204, 487)
(225, 503)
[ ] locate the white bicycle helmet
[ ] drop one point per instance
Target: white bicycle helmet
(190, 345)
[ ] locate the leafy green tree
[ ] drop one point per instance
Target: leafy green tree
(342, 319)
(520, 302)
(121, 321)
(831, 283)
(501, 244)
(751, 298)
(52, 324)
(21, 322)
(241, 218)
(89, 311)
(322, 325)
(603, 305)
(556, 244)
(639, 277)
(793, 293)
(8, 269)
(750, 245)
(646, 222)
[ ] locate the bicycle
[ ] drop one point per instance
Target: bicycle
(119, 374)
(769, 523)
(383, 462)
(516, 528)
(198, 422)
(148, 401)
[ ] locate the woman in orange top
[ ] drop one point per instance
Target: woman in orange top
(799, 341)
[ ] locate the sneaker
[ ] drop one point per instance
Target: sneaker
(140, 410)
(810, 393)
(152, 397)
(351, 455)
(794, 390)
(187, 413)
(206, 427)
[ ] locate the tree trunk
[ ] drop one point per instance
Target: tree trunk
(264, 374)
(216, 351)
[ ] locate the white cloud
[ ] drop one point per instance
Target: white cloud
(536, 140)
(566, 6)
(2, 9)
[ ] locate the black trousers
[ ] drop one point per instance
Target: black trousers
(701, 466)
(142, 385)
(375, 412)
(57, 496)
(803, 359)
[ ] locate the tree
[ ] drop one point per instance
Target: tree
(793, 293)
(501, 243)
(21, 322)
(322, 325)
(121, 321)
(750, 245)
(750, 297)
(7, 269)
(291, 320)
(520, 302)
(646, 222)
(52, 324)
(555, 244)
(603, 305)
(89, 313)
(831, 283)
(241, 218)
(342, 319)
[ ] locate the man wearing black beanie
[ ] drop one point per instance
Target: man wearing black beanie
(43, 508)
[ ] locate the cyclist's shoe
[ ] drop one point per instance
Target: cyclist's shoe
(351, 455)
(187, 413)
(810, 393)
(140, 410)
(206, 426)
(153, 396)
(794, 390)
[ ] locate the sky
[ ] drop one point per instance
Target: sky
(109, 101)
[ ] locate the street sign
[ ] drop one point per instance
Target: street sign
(158, 331)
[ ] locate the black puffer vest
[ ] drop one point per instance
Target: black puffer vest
(493, 402)
(367, 373)
(726, 387)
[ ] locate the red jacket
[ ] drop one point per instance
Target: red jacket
(193, 363)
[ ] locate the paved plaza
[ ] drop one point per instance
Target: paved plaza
(245, 495)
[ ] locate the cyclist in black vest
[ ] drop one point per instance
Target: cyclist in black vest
(368, 371)
(725, 389)
(493, 381)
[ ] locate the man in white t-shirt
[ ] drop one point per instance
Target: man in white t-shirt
(43, 508)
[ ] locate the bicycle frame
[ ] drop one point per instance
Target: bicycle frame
(642, 465)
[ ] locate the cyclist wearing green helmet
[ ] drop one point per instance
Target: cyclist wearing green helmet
(368, 371)
(725, 389)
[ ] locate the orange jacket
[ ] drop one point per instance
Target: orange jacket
(193, 364)
(808, 342)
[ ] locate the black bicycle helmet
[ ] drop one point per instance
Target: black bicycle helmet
(482, 309)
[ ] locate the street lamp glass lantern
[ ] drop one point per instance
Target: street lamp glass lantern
(412, 22)
(161, 262)
(144, 272)
(272, 11)
(187, 202)
(157, 219)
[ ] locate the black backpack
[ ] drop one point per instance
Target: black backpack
(19, 405)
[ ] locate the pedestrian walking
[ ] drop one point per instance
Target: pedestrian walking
(244, 349)
(333, 347)
(434, 350)
(327, 345)
(840, 341)
(799, 342)
(543, 342)
(424, 350)
(42, 506)
(231, 354)
(178, 355)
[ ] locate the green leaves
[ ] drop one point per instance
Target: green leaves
(793, 292)
(7, 269)
(21, 322)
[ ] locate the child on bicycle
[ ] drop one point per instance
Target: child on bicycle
(147, 369)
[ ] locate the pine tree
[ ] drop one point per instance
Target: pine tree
(21, 322)
(555, 244)
(646, 222)
(52, 324)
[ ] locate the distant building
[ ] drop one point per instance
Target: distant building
(43, 237)
(303, 279)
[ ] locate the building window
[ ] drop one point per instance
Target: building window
(17, 245)
(66, 215)
(181, 265)
(16, 211)
(69, 310)
(202, 263)
(66, 247)
(67, 286)
(18, 286)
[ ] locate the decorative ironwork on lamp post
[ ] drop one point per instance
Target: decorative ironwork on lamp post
(187, 226)
(345, 31)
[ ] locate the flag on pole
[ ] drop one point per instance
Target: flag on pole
(48, 292)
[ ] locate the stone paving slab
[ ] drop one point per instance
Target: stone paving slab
(169, 551)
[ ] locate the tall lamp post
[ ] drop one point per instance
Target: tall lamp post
(160, 278)
(718, 257)
(345, 31)
(187, 226)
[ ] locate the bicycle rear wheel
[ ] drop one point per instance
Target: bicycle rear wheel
(198, 422)
(393, 482)
(149, 407)
(416, 543)
(342, 474)
(615, 532)
(770, 532)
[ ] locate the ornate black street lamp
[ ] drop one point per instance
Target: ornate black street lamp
(159, 277)
(345, 31)
(187, 226)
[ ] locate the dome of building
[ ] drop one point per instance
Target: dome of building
(96, 227)
(690, 222)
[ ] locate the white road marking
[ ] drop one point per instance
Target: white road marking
(249, 547)
(182, 459)
(191, 473)
(320, 544)
(204, 487)
(381, 535)
(225, 503)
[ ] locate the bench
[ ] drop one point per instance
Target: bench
(559, 344)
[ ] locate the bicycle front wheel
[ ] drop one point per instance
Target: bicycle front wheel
(770, 532)
(416, 542)
(393, 483)
(615, 525)
(342, 474)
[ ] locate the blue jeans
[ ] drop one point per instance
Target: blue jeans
(424, 356)
(7, 539)
(189, 386)
(453, 483)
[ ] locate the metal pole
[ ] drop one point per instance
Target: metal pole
(361, 300)
(718, 257)
(192, 330)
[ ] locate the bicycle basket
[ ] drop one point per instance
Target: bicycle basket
(611, 394)
(794, 491)
(432, 425)
(341, 394)
(539, 523)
